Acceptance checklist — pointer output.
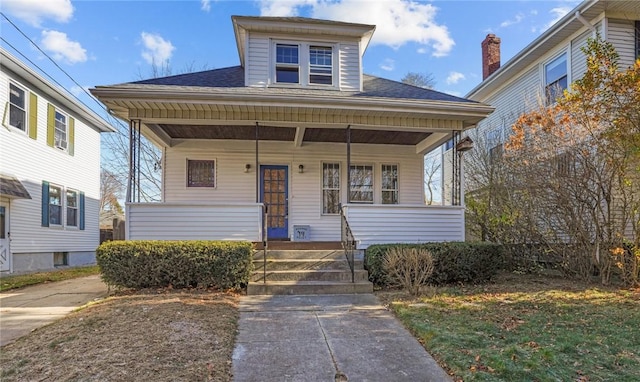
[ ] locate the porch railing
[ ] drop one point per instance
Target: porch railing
(348, 242)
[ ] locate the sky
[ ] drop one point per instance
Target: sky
(110, 42)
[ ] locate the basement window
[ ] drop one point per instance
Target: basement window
(60, 259)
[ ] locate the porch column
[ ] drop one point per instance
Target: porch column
(133, 184)
(348, 164)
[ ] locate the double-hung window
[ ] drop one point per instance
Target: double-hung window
(555, 77)
(320, 65)
(389, 184)
(60, 138)
(330, 188)
(201, 173)
(637, 34)
(55, 205)
(287, 63)
(72, 208)
(361, 187)
(304, 64)
(17, 107)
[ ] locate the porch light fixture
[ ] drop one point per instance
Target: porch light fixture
(247, 167)
(465, 144)
(300, 169)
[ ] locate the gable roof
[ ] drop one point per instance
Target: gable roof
(572, 22)
(61, 96)
(233, 77)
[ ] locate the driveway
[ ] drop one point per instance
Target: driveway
(26, 309)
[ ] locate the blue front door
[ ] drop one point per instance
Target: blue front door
(274, 193)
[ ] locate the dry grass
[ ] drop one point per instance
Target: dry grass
(527, 328)
(141, 336)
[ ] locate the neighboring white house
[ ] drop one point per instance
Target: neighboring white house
(49, 173)
(296, 128)
(550, 63)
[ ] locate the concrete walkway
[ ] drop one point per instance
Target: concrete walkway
(23, 310)
(326, 338)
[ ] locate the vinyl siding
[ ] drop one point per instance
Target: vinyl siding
(621, 34)
(305, 193)
(257, 62)
(32, 161)
(405, 224)
(578, 58)
(350, 75)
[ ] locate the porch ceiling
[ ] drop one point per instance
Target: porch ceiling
(288, 134)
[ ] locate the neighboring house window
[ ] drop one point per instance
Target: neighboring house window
(55, 205)
(361, 187)
(60, 134)
(389, 184)
(17, 107)
(287, 63)
(201, 173)
(330, 188)
(62, 207)
(555, 77)
(320, 65)
(72, 208)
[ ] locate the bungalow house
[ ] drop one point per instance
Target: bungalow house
(49, 173)
(296, 139)
(547, 66)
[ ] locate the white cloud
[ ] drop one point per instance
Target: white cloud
(388, 65)
(156, 49)
(453, 93)
(78, 91)
(34, 12)
(59, 45)
(397, 21)
(205, 5)
(421, 50)
(454, 78)
(533, 12)
(518, 17)
(557, 14)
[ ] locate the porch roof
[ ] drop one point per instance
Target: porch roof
(215, 104)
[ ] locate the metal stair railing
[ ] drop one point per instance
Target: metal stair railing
(265, 243)
(348, 242)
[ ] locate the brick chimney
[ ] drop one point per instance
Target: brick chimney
(490, 55)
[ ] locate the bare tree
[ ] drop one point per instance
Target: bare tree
(110, 193)
(432, 177)
(422, 80)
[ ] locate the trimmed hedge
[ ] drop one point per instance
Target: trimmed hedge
(180, 264)
(453, 261)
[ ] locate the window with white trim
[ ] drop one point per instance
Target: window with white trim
(55, 205)
(330, 188)
(60, 138)
(361, 187)
(17, 107)
(320, 65)
(304, 64)
(555, 78)
(389, 184)
(287, 63)
(637, 34)
(72, 208)
(201, 173)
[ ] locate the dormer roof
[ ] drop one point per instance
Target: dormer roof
(302, 26)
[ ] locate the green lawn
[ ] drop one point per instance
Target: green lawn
(525, 328)
(19, 281)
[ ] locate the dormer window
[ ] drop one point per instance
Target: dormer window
(287, 64)
(304, 64)
(320, 67)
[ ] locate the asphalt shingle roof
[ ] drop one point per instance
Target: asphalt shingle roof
(233, 77)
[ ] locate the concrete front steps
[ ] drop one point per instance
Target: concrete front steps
(300, 271)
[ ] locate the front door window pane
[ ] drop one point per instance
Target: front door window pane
(330, 188)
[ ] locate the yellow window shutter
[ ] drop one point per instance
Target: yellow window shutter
(51, 124)
(72, 133)
(33, 116)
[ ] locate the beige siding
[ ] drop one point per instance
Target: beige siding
(257, 61)
(32, 161)
(305, 195)
(405, 224)
(350, 75)
(621, 34)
